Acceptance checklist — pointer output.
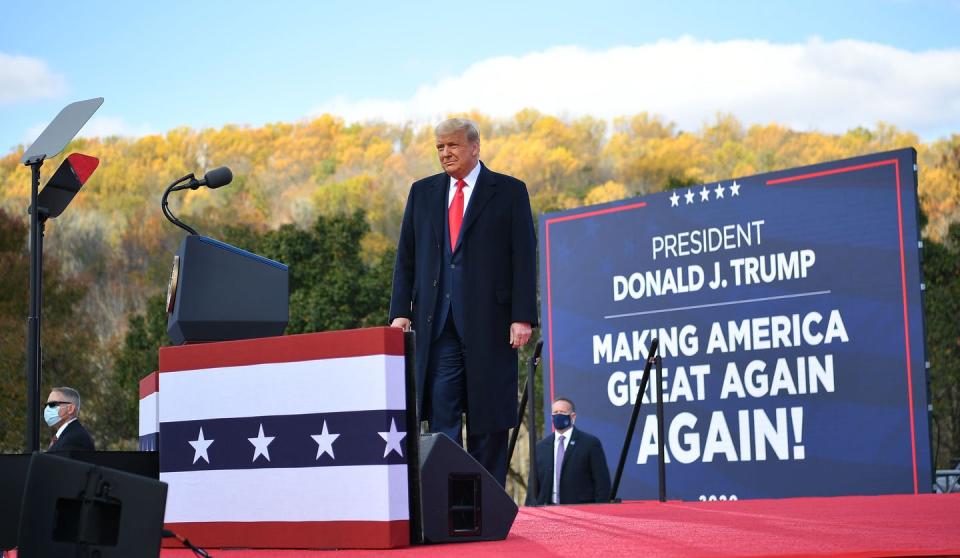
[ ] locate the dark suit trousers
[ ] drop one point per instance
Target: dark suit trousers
(445, 402)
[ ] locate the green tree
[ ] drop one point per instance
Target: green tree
(330, 285)
(941, 269)
(134, 359)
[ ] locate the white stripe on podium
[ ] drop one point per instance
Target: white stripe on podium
(348, 493)
(149, 423)
(304, 387)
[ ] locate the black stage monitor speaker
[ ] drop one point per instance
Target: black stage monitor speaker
(71, 508)
(221, 293)
(459, 500)
(13, 477)
(143, 463)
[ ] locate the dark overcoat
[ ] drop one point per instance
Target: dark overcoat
(499, 278)
(74, 437)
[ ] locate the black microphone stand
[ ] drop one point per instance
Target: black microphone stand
(164, 206)
(653, 359)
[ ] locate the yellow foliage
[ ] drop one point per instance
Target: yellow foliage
(290, 172)
(607, 192)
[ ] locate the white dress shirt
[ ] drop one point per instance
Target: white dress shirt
(555, 498)
(471, 180)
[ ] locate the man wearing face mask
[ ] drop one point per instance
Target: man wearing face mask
(571, 466)
(60, 413)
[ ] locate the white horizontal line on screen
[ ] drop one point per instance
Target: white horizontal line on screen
(728, 303)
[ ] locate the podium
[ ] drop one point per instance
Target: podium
(219, 292)
(284, 442)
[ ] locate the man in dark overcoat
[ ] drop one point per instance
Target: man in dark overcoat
(465, 280)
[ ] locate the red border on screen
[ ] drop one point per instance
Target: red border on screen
(903, 284)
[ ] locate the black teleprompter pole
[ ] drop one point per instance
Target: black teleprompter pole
(661, 453)
(654, 345)
(34, 365)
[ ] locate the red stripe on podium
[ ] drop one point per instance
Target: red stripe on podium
(288, 348)
(293, 534)
(149, 384)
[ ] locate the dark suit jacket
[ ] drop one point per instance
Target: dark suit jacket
(584, 477)
(74, 437)
(499, 259)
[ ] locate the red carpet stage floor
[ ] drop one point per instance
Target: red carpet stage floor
(926, 525)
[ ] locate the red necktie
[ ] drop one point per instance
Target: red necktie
(53, 440)
(455, 215)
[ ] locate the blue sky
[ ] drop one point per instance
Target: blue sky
(815, 64)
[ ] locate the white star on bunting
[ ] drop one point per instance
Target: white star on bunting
(704, 194)
(689, 197)
(261, 443)
(324, 441)
(718, 191)
(200, 447)
(392, 438)
(735, 189)
(674, 200)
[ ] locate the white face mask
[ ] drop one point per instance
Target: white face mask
(51, 415)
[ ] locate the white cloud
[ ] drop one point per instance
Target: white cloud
(816, 85)
(23, 78)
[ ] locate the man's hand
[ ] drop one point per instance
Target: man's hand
(519, 334)
(402, 323)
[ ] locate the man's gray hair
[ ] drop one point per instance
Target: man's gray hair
(452, 125)
(70, 395)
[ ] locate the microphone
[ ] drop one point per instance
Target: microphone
(214, 178)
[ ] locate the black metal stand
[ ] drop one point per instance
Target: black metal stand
(527, 393)
(34, 364)
(413, 438)
(532, 483)
(50, 142)
(653, 358)
(516, 429)
(661, 454)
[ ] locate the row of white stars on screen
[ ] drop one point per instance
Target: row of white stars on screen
(324, 440)
(705, 194)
